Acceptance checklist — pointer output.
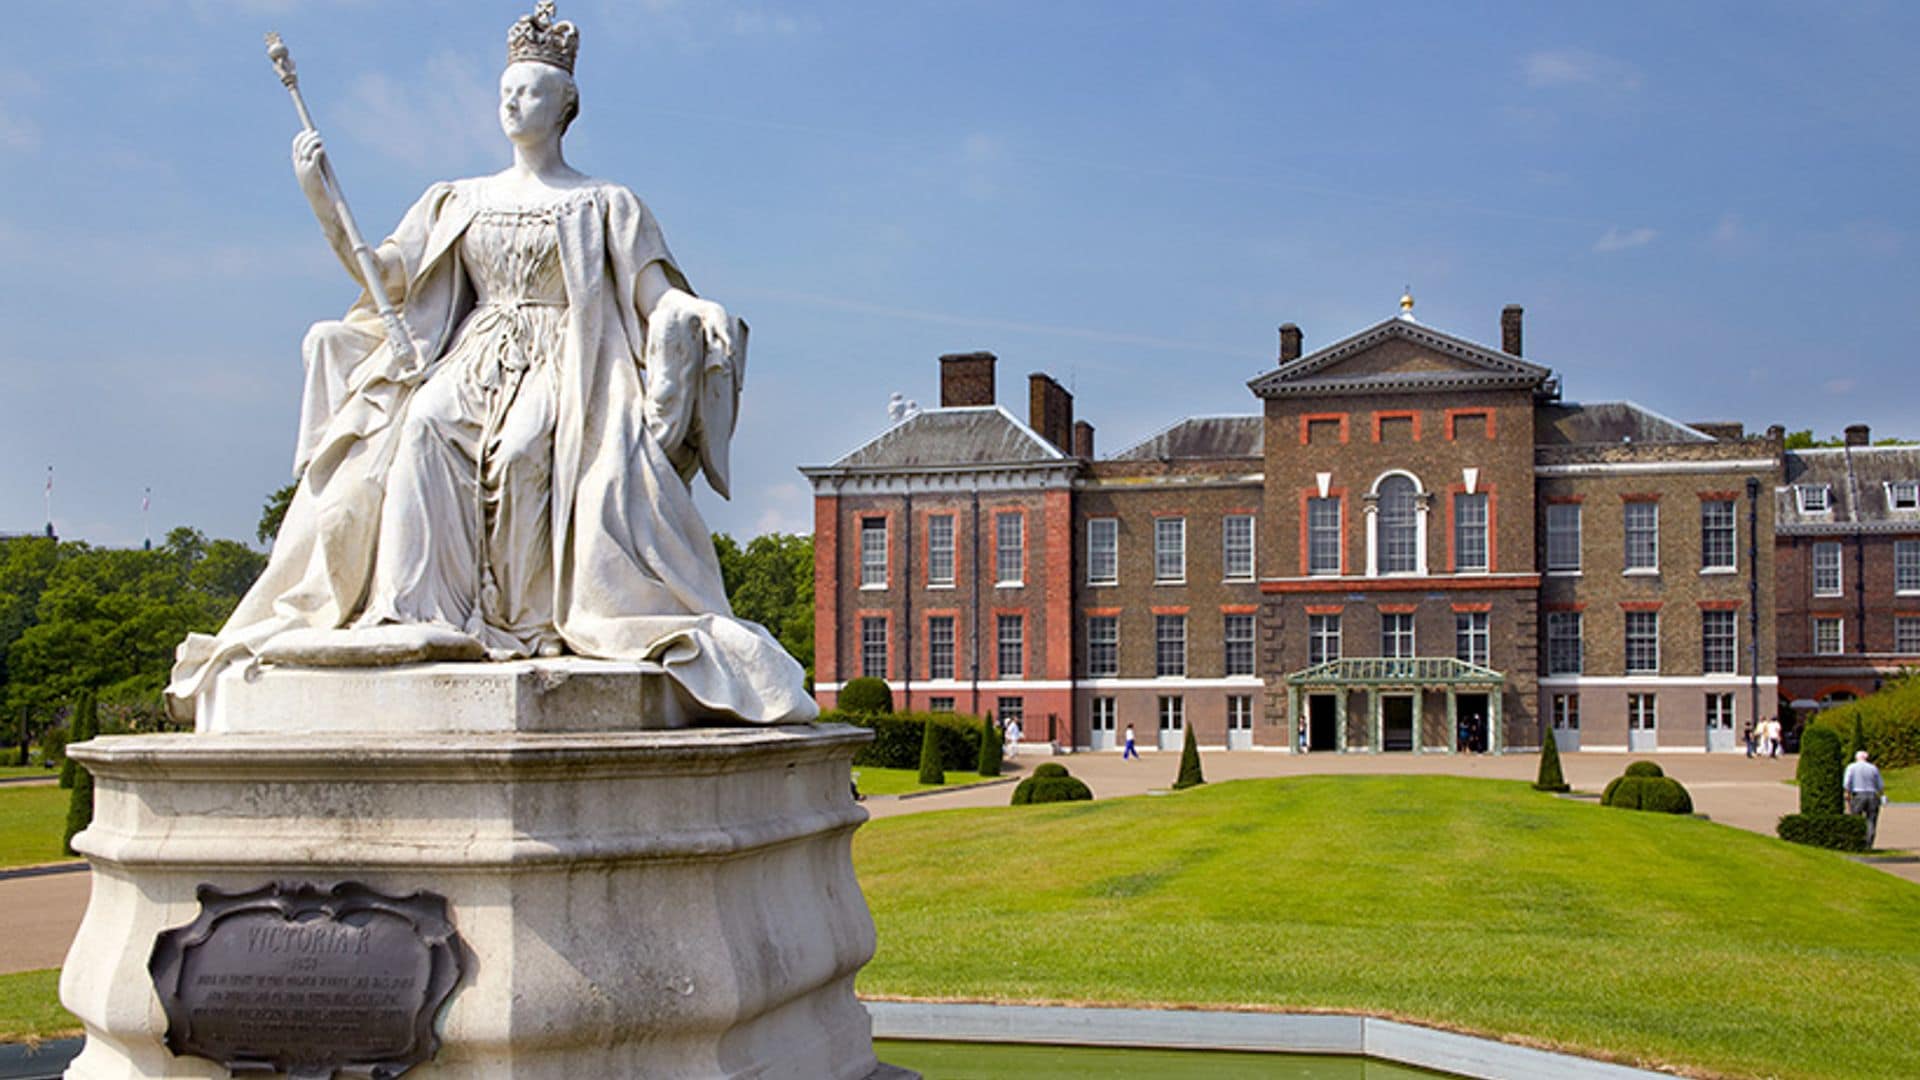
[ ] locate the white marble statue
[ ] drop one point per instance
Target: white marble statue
(519, 485)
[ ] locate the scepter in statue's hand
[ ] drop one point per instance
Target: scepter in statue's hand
(330, 204)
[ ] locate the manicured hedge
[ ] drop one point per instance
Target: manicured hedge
(1050, 783)
(1190, 775)
(990, 747)
(867, 695)
(1550, 777)
(1659, 794)
(1841, 832)
(1819, 772)
(897, 738)
(1050, 768)
(1644, 768)
(1890, 720)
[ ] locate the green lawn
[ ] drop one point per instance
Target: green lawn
(30, 1007)
(972, 1061)
(1903, 785)
(1472, 904)
(874, 781)
(10, 770)
(33, 818)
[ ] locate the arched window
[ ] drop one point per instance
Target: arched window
(1399, 525)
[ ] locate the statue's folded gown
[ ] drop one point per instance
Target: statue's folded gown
(633, 574)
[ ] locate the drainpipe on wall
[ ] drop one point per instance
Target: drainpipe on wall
(906, 668)
(1753, 594)
(973, 583)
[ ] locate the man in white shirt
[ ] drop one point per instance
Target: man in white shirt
(1864, 791)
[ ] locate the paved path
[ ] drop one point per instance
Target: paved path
(39, 915)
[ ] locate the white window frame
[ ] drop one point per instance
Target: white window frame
(1377, 534)
(1395, 625)
(1325, 536)
(1643, 712)
(1233, 644)
(1103, 715)
(1723, 711)
(1813, 498)
(1012, 644)
(1170, 646)
(1323, 631)
(1465, 531)
(1103, 551)
(1634, 618)
(1566, 712)
(1838, 625)
(941, 531)
(1903, 495)
(1831, 579)
(1560, 530)
(1561, 620)
(1711, 528)
(1647, 562)
(1009, 554)
(935, 646)
(1906, 564)
(874, 556)
(1170, 551)
(1232, 552)
(1103, 646)
(940, 704)
(1906, 635)
(1239, 712)
(1732, 643)
(1474, 630)
(1172, 712)
(870, 641)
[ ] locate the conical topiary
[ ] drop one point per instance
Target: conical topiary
(1189, 764)
(989, 747)
(84, 725)
(25, 731)
(79, 808)
(931, 771)
(1550, 778)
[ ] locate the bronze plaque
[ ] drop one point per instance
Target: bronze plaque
(308, 980)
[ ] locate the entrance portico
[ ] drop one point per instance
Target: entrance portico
(1396, 690)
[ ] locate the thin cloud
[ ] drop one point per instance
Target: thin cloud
(1617, 239)
(442, 120)
(1550, 68)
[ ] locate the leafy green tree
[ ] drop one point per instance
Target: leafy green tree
(770, 581)
(931, 769)
(273, 513)
(25, 564)
(1855, 744)
(79, 808)
(990, 748)
(23, 734)
(84, 725)
(1189, 764)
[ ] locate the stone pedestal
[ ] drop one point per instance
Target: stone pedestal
(667, 904)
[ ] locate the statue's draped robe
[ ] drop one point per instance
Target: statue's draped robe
(635, 572)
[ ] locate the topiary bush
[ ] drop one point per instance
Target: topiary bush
(1550, 778)
(1644, 768)
(1889, 721)
(897, 738)
(931, 771)
(1051, 783)
(79, 808)
(990, 748)
(1658, 794)
(84, 725)
(866, 695)
(1819, 772)
(1841, 832)
(1190, 775)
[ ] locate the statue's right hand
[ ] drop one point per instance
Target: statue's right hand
(309, 159)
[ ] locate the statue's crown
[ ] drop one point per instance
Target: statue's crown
(538, 38)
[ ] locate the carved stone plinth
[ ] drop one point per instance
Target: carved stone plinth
(668, 904)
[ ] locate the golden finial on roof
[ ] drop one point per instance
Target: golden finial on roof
(1406, 302)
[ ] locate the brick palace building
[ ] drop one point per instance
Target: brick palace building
(1415, 545)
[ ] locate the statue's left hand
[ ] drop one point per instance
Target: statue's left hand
(716, 324)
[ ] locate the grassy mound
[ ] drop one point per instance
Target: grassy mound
(1430, 898)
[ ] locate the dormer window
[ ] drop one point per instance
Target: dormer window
(1903, 494)
(1813, 498)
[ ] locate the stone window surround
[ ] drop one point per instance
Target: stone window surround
(1018, 514)
(1813, 498)
(1164, 545)
(1111, 526)
(950, 551)
(1422, 505)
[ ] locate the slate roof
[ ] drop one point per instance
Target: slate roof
(1608, 422)
(950, 438)
(1487, 368)
(1202, 437)
(1856, 479)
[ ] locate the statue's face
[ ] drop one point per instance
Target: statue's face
(533, 100)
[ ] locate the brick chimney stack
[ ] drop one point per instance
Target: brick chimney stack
(966, 379)
(1510, 329)
(1859, 435)
(1083, 440)
(1050, 411)
(1289, 343)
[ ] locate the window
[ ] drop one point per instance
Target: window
(1906, 634)
(1720, 712)
(1826, 568)
(1829, 636)
(1104, 714)
(873, 553)
(1471, 641)
(1237, 540)
(873, 646)
(939, 704)
(940, 549)
(1103, 646)
(1469, 533)
(940, 647)
(1563, 643)
(1643, 535)
(1813, 498)
(1398, 522)
(1239, 638)
(1173, 713)
(1563, 536)
(1323, 638)
(1643, 642)
(1566, 712)
(1323, 536)
(1641, 713)
(1903, 494)
(1719, 642)
(1013, 646)
(1009, 547)
(1239, 712)
(1169, 645)
(1103, 551)
(1170, 549)
(1011, 710)
(1717, 535)
(1906, 566)
(1396, 635)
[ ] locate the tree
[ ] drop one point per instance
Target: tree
(1189, 765)
(273, 513)
(84, 725)
(931, 771)
(770, 582)
(24, 733)
(1855, 744)
(79, 808)
(1550, 778)
(1819, 772)
(990, 747)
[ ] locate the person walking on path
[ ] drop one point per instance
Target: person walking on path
(1131, 750)
(1865, 789)
(1013, 737)
(1747, 734)
(1772, 737)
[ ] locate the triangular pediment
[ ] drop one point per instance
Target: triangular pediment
(1399, 355)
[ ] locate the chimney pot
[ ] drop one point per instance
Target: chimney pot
(1510, 329)
(1289, 343)
(1776, 432)
(1083, 440)
(966, 379)
(1050, 411)
(1859, 435)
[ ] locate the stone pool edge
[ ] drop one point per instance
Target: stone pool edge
(1181, 1029)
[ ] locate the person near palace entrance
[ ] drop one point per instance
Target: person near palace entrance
(1865, 790)
(1131, 751)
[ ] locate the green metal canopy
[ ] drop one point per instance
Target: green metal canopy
(1385, 671)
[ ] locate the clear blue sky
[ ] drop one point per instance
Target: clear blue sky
(1705, 207)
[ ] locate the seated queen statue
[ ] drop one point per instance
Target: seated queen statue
(519, 486)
